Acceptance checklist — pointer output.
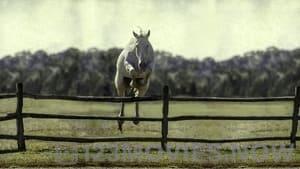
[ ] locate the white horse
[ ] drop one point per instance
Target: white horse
(134, 68)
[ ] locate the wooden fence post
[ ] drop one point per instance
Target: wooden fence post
(164, 123)
(19, 119)
(295, 116)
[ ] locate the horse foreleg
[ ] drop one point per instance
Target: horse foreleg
(140, 92)
(121, 93)
(136, 121)
(121, 114)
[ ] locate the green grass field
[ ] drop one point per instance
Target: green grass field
(41, 153)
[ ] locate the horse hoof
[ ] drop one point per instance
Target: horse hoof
(136, 122)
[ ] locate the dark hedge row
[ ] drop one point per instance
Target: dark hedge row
(273, 72)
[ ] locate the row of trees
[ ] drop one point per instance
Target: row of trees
(272, 72)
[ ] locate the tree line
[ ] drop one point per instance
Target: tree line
(269, 72)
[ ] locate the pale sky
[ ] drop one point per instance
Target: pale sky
(194, 28)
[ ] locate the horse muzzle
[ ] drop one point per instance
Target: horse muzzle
(142, 66)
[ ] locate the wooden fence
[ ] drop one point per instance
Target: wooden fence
(19, 115)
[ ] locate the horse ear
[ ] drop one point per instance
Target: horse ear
(148, 33)
(135, 34)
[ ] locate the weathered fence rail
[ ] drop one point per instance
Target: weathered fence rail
(195, 140)
(93, 140)
(7, 95)
(19, 115)
(223, 99)
(146, 119)
(9, 116)
(151, 98)
(93, 98)
(60, 116)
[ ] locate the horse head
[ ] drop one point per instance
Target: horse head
(143, 50)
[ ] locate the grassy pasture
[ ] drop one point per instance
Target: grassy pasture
(41, 153)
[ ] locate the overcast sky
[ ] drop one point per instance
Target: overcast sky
(194, 28)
